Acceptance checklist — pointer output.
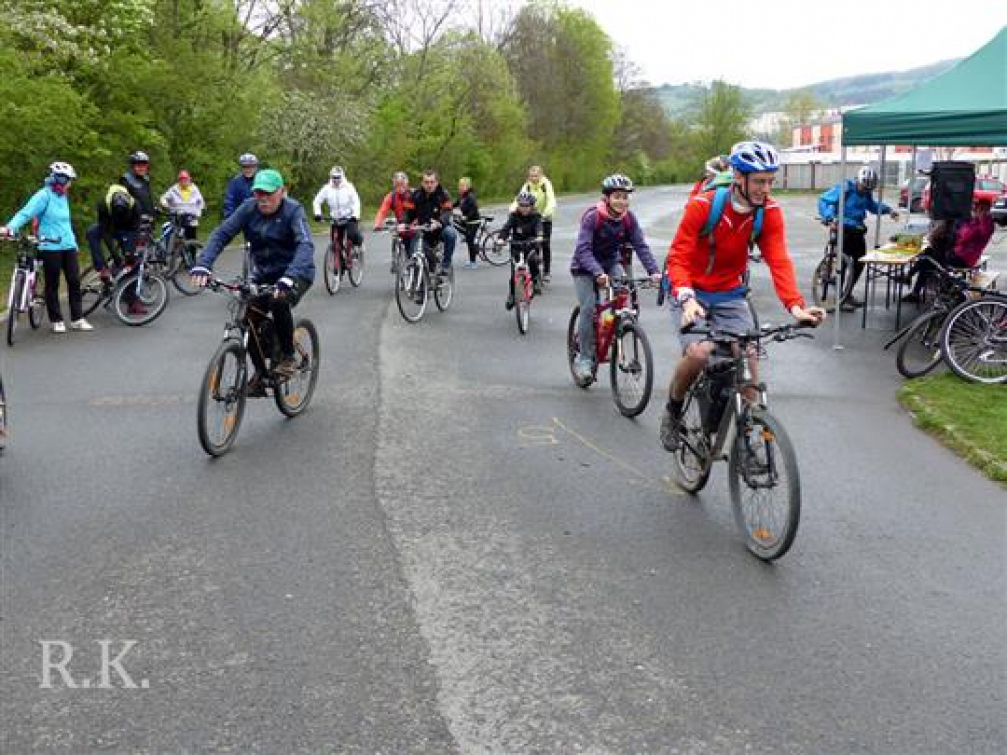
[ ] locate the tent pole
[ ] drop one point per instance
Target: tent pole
(881, 194)
(839, 246)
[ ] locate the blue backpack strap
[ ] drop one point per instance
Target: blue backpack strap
(720, 198)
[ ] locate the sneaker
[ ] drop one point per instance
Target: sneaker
(509, 304)
(81, 324)
(285, 368)
(546, 278)
(583, 369)
(472, 265)
(669, 427)
(136, 308)
(256, 387)
(59, 327)
(105, 274)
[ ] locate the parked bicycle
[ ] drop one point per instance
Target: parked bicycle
(621, 341)
(485, 240)
(419, 274)
(224, 389)
(342, 257)
(523, 287)
(24, 296)
(974, 339)
(174, 254)
(136, 293)
(726, 408)
(833, 274)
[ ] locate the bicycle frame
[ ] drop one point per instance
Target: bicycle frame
(618, 301)
(29, 264)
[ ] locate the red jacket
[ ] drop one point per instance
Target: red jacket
(690, 254)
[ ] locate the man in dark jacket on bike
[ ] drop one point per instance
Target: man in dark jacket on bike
(239, 188)
(432, 204)
(282, 254)
(137, 182)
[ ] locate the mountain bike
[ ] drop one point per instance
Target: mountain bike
(762, 463)
(23, 296)
(416, 278)
(175, 255)
(621, 341)
(485, 240)
(342, 257)
(833, 273)
(974, 339)
(523, 287)
(224, 389)
(136, 293)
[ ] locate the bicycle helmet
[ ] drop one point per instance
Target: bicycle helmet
(526, 197)
(867, 177)
(248, 159)
(62, 170)
(138, 157)
(754, 157)
(616, 182)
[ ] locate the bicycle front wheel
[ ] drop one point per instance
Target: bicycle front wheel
(495, 254)
(139, 300)
(333, 269)
(632, 369)
(920, 350)
(692, 457)
(411, 290)
(14, 308)
(974, 340)
(92, 289)
(765, 485)
(522, 301)
(356, 270)
(293, 395)
(222, 399)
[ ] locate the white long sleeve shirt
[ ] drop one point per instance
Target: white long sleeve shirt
(342, 200)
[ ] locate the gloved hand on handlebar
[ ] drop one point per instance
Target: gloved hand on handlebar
(199, 276)
(284, 287)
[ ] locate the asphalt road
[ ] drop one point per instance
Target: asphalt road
(456, 550)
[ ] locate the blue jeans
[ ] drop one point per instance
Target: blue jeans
(447, 234)
(587, 296)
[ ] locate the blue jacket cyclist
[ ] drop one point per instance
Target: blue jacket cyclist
(282, 253)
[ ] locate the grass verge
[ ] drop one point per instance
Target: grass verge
(969, 418)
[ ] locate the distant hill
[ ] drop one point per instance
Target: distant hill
(680, 100)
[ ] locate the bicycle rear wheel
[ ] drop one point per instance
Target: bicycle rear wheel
(14, 308)
(692, 457)
(974, 340)
(765, 485)
(522, 301)
(149, 292)
(632, 369)
(573, 350)
(827, 280)
(920, 350)
(333, 268)
(444, 291)
(222, 398)
(356, 271)
(188, 253)
(493, 253)
(293, 395)
(411, 289)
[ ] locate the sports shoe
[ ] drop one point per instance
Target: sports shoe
(81, 324)
(509, 304)
(256, 387)
(472, 265)
(546, 277)
(669, 427)
(59, 327)
(136, 308)
(105, 274)
(285, 368)
(583, 369)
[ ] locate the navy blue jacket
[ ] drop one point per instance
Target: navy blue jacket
(281, 243)
(239, 189)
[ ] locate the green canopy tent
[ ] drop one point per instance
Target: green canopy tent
(964, 106)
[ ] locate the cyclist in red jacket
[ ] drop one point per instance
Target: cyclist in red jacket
(707, 270)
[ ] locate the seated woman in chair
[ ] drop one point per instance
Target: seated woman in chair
(956, 245)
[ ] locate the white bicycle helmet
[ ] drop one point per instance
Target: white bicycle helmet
(754, 157)
(867, 177)
(616, 182)
(64, 170)
(247, 159)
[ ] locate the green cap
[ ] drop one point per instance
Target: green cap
(268, 180)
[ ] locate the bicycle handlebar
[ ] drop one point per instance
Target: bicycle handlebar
(785, 332)
(240, 286)
(30, 239)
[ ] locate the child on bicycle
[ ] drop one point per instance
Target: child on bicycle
(604, 230)
(525, 224)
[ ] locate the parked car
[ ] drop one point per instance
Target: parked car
(987, 187)
(918, 183)
(1000, 211)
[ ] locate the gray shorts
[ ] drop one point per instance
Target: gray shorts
(732, 316)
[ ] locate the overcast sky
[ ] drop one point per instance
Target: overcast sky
(792, 43)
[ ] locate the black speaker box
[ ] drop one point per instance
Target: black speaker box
(951, 186)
